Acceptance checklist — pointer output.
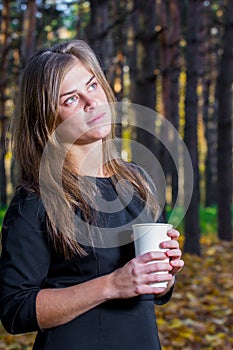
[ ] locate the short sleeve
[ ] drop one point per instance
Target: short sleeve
(24, 262)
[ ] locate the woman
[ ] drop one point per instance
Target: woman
(61, 273)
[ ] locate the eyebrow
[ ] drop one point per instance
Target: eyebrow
(73, 91)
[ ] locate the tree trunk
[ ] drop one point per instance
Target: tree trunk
(146, 60)
(170, 36)
(209, 53)
(211, 141)
(192, 229)
(5, 22)
(225, 80)
(143, 56)
(105, 35)
(98, 32)
(29, 29)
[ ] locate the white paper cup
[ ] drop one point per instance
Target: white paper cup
(147, 238)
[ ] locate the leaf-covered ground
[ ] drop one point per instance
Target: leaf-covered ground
(200, 314)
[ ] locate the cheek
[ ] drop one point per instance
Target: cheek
(69, 128)
(61, 117)
(102, 96)
(64, 114)
(70, 115)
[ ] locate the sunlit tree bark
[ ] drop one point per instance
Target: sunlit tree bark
(210, 67)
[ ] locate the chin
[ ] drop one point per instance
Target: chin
(101, 132)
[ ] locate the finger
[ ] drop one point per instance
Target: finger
(149, 289)
(150, 256)
(177, 263)
(173, 233)
(172, 244)
(157, 267)
(174, 253)
(177, 266)
(159, 277)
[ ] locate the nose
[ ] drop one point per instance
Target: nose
(89, 103)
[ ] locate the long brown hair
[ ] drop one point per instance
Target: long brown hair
(33, 124)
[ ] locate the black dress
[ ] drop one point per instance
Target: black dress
(29, 263)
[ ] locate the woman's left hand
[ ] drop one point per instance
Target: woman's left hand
(173, 251)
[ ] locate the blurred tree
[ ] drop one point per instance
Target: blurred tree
(170, 68)
(98, 32)
(83, 14)
(119, 12)
(143, 37)
(4, 52)
(22, 51)
(28, 43)
(225, 81)
(56, 22)
(143, 43)
(211, 47)
(194, 24)
(143, 69)
(106, 36)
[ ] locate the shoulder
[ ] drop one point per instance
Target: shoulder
(134, 168)
(140, 173)
(144, 180)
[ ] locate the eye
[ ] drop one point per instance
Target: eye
(71, 100)
(93, 86)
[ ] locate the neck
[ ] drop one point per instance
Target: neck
(88, 159)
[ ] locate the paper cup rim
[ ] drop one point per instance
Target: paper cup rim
(153, 224)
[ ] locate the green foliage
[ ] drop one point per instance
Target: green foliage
(175, 216)
(208, 219)
(2, 213)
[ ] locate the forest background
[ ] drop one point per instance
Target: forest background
(174, 57)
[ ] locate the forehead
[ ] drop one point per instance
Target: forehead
(76, 63)
(76, 74)
(76, 66)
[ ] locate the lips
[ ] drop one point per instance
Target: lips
(96, 118)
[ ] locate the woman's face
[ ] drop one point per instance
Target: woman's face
(83, 107)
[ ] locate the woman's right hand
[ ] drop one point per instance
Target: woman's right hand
(58, 306)
(135, 277)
